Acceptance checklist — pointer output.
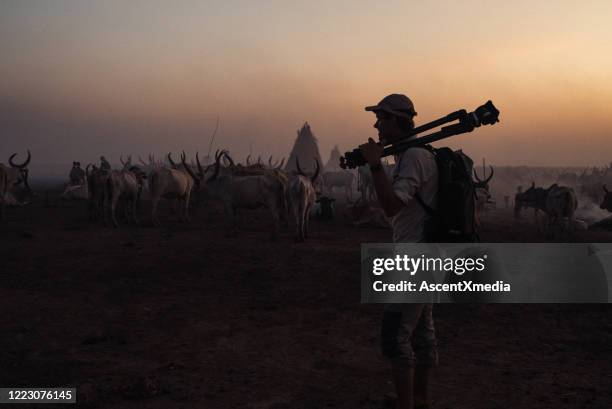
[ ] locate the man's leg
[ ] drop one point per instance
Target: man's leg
(421, 386)
(397, 329)
(425, 347)
(403, 378)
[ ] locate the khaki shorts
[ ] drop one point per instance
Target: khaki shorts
(408, 336)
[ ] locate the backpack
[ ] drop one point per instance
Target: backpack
(454, 220)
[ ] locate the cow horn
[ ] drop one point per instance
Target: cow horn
(316, 171)
(171, 161)
(259, 160)
(188, 168)
(248, 160)
(270, 161)
(476, 176)
(121, 159)
(199, 164)
(23, 165)
(490, 176)
(217, 164)
(229, 158)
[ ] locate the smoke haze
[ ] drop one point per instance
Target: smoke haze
(81, 79)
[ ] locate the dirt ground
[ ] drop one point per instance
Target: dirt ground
(185, 316)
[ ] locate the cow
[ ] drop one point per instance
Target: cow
(125, 185)
(606, 203)
(243, 189)
(302, 197)
(16, 188)
(365, 183)
(340, 179)
(481, 188)
(76, 192)
(558, 202)
(273, 170)
(96, 185)
(173, 183)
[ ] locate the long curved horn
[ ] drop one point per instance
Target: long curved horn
(171, 161)
(217, 164)
(229, 158)
(476, 176)
(121, 159)
(248, 160)
(199, 164)
(188, 168)
(490, 176)
(270, 161)
(23, 165)
(297, 164)
(312, 179)
(259, 160)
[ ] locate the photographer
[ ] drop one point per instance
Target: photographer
(408, 336)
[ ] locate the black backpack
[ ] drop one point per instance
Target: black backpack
(454, 220)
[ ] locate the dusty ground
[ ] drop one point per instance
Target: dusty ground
(186, 317)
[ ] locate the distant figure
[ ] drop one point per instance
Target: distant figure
(77, 175)
(104, 165)
(325, 208)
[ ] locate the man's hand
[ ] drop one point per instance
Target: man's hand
(371, 152)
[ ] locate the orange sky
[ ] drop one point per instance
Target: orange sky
(80, 79)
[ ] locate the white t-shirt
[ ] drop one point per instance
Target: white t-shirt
(415, 171)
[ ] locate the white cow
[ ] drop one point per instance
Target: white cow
(302, 196)
(173, 183)
(342, 179)
(14, 182)
(122, 184)
(241, 188)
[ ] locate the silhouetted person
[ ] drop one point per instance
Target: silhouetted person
(77, 175)
(104, 165)
(326, 208)
(407, 335)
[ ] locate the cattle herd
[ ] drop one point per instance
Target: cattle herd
(287, 194)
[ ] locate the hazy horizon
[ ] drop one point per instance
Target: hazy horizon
(84, 79)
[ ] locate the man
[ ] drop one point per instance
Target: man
(104, 165)
(77, 175)
(408, 337)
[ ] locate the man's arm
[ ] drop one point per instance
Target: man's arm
(387, 198)
(384, 191)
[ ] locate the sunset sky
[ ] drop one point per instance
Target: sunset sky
(83, 78)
